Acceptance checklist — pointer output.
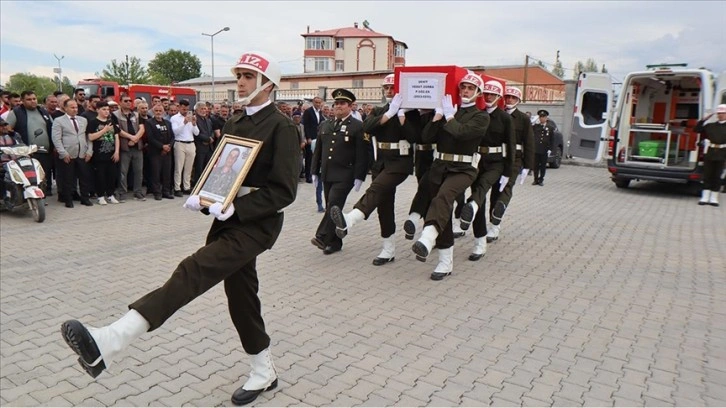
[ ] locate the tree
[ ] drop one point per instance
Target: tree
(579, 67)
(174, 66)
(42, 86)
(129, 71)
(588, 66)
(603, 70)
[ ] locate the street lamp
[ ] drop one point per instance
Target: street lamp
(59, 71)
(212, 37)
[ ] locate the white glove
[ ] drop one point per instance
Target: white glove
(394, 106)
(447, 107)
(503, 180)
(549, 153)
(439, 111)
(193, 203)
(522, 175)
(357, 185)
(315, 180)
(216, 211)
(402, 112)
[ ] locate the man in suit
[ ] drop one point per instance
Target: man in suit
(74, 152)
(544, 133)
(394, 130)
(341, 162)
(311, 120)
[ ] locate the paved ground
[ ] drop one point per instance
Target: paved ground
(593, 296)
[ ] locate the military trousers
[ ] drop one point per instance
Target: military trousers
(712, 174)
(489, 174)
(381, 194)
(442, 197)
(505, 196)
(230, 255)
(335, 193)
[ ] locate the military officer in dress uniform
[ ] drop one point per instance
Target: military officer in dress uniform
(249, 227)
(497, 161)
(393, 131)
(523, 161)
(341, 161)
(714, 147)
(544, 132)
(457, 134)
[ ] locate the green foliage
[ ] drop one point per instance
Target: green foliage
(558, 70)
(42, 86)
(603, 70)
(129, 71)
(174, 66)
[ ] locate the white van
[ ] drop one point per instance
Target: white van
(650, 130)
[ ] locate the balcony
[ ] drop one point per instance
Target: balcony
(372, 95)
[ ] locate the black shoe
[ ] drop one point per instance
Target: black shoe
(491, 239)
(80, 341)
(167, 195)
(87, 202)
(382, 261)
(76, 197)
(178, 193)
(541, 183)
(475, 257)
(467, 216)
(243, 397)
(420, 250)
(341, 228)
(157, 197)
(309, 181)
(410, 229)
(318, 243)
(69, 204)
(330, 250)
(459, 234)
(535, 182)
(713, 204)
(187, 192)
(437, 276)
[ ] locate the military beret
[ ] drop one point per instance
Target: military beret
(542, 112)
(344, 95)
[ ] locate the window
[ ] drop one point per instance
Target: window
(357, 83)
(322, 64)
(339, 43)
(399, 51)
(294, 85)
(339, 65)
(319, 43)
(594, 104)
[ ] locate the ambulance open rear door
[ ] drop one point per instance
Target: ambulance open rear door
(590, 129)
(720, 91)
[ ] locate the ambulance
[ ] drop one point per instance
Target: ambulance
(649, 134)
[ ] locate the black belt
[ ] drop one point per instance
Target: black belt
(181, 141)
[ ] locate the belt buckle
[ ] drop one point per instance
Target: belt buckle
(484, 149)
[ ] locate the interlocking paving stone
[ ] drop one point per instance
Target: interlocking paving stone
(593, 295)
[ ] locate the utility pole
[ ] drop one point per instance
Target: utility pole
(211, 36)
(128, 74)
(59, 71)
(524, 86)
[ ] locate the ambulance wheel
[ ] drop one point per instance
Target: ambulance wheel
(622, 183)
(37, 206)
(557, 160)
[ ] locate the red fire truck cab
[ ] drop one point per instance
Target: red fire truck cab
(104, 89)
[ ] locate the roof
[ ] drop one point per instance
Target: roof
(230, 79)
(350, 32)
(515, 73)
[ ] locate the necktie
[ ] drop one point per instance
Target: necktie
(130, 125)
(75, 124)
(317, 114)
(337, 124)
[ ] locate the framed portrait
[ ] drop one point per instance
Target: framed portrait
(226, 170)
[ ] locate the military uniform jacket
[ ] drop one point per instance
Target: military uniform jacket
(525, 137)
(500, 133)
(460, 135)
(341, 154)
(543, 135)
(274, 173)
(716, 133)
(393, 132)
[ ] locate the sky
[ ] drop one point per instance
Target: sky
(624, 36)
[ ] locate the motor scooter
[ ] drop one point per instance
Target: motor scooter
(24, 177)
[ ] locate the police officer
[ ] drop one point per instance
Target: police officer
(457, 134)
(393, 134)
(497, 161)
(544, 132)
(238, 235)
(341, 161)
(714, 143)
(523, 161)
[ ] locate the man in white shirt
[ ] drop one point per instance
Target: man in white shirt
(184, 125)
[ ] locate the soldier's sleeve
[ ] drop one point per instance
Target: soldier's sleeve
(430, 133)
(528, 145)
(511, 143)
(372, 124)
(362, 149)
(282, 183)
(471, 129)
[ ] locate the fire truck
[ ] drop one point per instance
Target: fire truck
(104, 89)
